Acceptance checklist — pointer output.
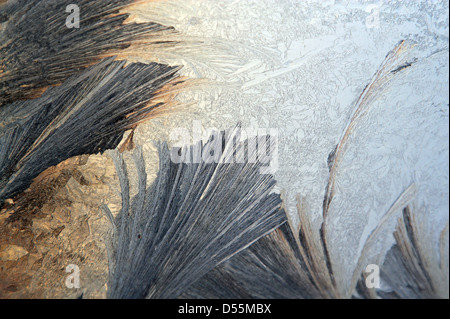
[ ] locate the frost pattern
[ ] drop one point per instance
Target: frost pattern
(299, 67)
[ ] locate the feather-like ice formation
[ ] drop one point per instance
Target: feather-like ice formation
(194, 216)
(87, 114)
(285, 264)
(395, 61)
(413, 268)
(289, 263)
(37, 50)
